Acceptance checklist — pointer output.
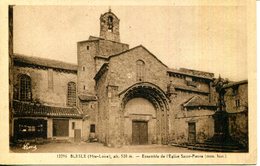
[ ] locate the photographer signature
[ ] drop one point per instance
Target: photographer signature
(27, 146)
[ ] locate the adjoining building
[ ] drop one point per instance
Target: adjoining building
(118, 96)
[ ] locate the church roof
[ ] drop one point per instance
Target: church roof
(96, 39)
(139, 46)
(196, 101)
(38, 110)
(42, 62)
(236, 83)
(101, 71)
(192, 73)
(109, 12)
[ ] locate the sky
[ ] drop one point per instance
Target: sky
(206, 38)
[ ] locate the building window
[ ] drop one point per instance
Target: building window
(190, 82)
(92, 128)
(71, 94)
(87, 47)
(235, 90)
(140, 70)
(237, 103)
(50, 79)
(25, 92)
(26, 128)
(73, 125)
(83, 68)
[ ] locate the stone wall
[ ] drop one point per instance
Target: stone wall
(103, 114)
(78, 125)
(114, 34)
(86, 66)
(122, 74)
(198, 84)
(179, 117)
(231, 97)
(107, 48)
(238, 127)
(123, 69)
(204, 126)
(90, 111)
(55, 95)
(99, 62)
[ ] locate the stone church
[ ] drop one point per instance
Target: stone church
(118, 96)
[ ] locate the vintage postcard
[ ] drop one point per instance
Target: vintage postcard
(167, 82)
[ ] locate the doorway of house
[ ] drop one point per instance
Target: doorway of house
(192, 133)
(60, 127)
(139, 132)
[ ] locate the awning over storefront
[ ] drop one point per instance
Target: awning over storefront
(27, 109)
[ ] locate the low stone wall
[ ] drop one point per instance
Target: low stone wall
(238, 127)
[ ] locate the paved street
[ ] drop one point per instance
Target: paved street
(97, 148)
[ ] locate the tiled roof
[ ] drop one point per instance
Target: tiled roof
(196, 101)
(235, 83)
(37, 110)
(45, 62)
(139, 46)
(192, 73)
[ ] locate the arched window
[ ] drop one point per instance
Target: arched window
(71, 98)
(140, 70)
(25, 91)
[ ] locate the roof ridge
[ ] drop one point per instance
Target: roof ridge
(140, 45)
(17, 55)
(45, 62)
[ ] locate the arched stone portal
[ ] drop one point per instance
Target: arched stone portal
(154, 114)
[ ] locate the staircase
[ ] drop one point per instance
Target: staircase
(216, 147)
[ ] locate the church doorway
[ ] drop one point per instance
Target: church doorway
(145, 115)
(139, 132)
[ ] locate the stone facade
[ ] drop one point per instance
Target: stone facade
(236, 99)
(128, 96)
(46, 93)
(109, 26)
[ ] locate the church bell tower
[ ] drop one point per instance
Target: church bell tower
(109, 26)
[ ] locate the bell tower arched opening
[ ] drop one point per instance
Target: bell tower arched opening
(109, 26)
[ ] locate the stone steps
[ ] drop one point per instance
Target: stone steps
(217, 147)
(214, 149)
